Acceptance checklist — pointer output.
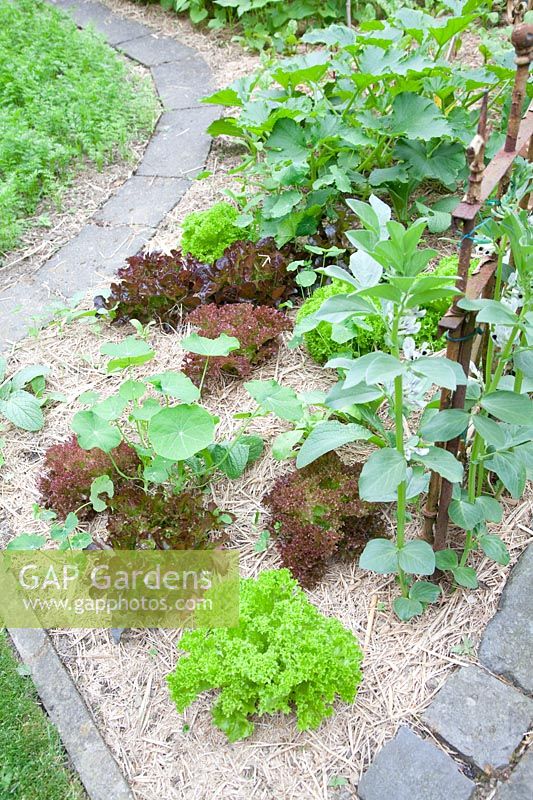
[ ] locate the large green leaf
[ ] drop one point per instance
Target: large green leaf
(510, 469)
(442, 462)
(175, 384)
(23, 410)
(381, 475)
(381, 556)
(417, 117)
(93, 431)
(491, 431)
(287, 141)
(327, 436)
(464, 514)
(27, 374)
(180, 432)
(509, 407)
(443, 163)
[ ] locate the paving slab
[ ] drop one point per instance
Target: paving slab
(180, 144)
(143, 200)
(87, 261)
(411, 768)
(183, 84)
(90, 755)
(481, 717)
(114, 28)
(520, 784)
(152, 50)
(507, 644)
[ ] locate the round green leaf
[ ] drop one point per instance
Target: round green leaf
(93, 431)
(180, 432)
(446, 559)
(465, 576)
(129, 353)
(494, 548)
(445, 425)
(406, 608)
(175, 384)
(221, 346)
(381, 475)
(27, 541)
(424, 592)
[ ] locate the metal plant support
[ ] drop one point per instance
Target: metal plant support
(462, 335)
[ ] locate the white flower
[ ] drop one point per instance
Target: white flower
(412, 447)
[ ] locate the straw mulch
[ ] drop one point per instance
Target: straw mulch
(170, 756)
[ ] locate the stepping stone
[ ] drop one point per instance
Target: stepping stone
(520, 784)
(507, 644)
(114, 28)
(180, 145)
(411, 768)
(481, 717)
(143, 200)
(181, 85)
(153, 50)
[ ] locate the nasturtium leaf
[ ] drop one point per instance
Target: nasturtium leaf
(327, 436)
(79, 541)
(27, 541)
(175, 384)
(131, 352)
(381, 556)
(111, 408)
(23, 410)
(93, 431)
(406, 608)
(445, 425)
(465, 576)
(280, 400)
(223, 345)
(306, 277)
(442, 462)
(424, 592)
(509, 407)
(494, 548)
(158, 470)
(146, 411)
(89, 398)
(179, 432)
(417, 558)
(101, 485)
(132, 390)
(381, 475)
(446, 560)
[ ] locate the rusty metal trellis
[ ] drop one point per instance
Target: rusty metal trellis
(460, 326)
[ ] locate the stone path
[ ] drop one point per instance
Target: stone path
(481, 717)
(128, 220)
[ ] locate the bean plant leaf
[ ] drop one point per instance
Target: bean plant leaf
(23, 410)
(381, 475)
(445, 425)
(446, 560)
(509, 407)
(465, 576)
(180, 432)
(494, 548)
(381, 556)
(406, 608)
(417, 558)
(442, 462)
(326, 436)
(511, 470)
(424, 592)
(93, 431)
(491, 311)
(491, 431)
(464, 514)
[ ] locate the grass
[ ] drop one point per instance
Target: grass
(65, 98)
(32, 761)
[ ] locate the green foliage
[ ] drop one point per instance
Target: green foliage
(65, 97)
(378, 107)
(206, 234)
(322, 347)
(283, 656)
(34, 765)
(21, 396)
